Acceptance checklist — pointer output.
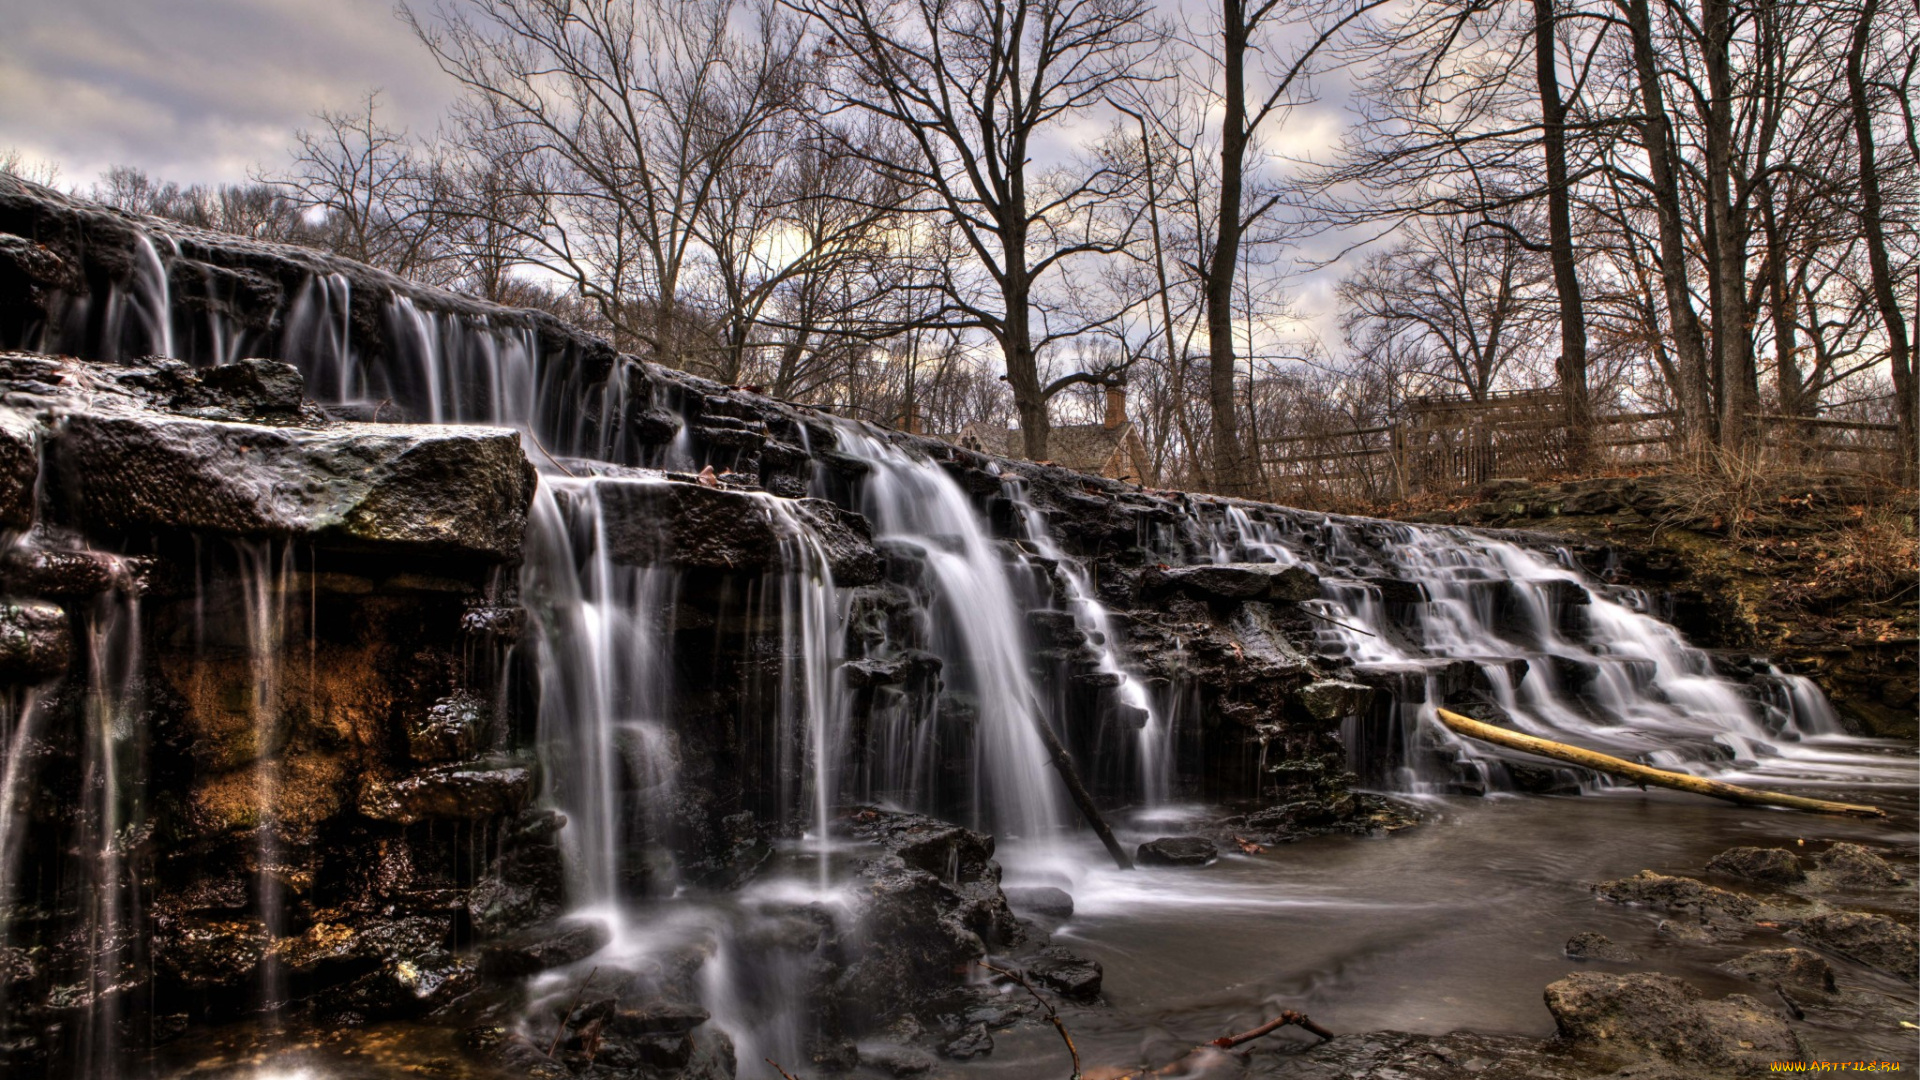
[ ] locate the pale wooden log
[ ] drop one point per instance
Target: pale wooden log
(1645, 774)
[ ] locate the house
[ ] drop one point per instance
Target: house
(1112, 448)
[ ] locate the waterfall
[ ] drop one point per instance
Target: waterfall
(978, 629)
(1154, 741)
(1559, 655)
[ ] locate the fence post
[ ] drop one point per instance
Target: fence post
(1397, 449)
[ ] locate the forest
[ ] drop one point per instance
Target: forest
(937, 215)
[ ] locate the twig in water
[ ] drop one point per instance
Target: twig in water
(543, 449)
(577, 995)
(778, 1069)
(1337, 622)
(1053, 1016)
(1228, 1042)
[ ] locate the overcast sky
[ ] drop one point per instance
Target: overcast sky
(197, 90)
(205, 91)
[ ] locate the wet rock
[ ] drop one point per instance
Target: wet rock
(448, 793)
(1850, 866)
(1066, 973)
(1775, 866)
(1177, 851)
(36, 642)
(253, 385)
(709, 528)
(1873, 940)
(1793, 969)
(1683, 896)
(971, 1043)
(928, 907)
(1332, 699)
(449, 731)
(897, 1060)
(19, 468)
(538, 948)
(438, 490)
(203, 954)
(1396, 591)
(1594, 946)
(659, 1017)
(1044, 900)
(63, 573)
(512, 1053)
(1238, 581)
(1635, 1015)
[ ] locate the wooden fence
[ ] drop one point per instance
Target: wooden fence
(1446, 445)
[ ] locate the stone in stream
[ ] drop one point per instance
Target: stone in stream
(1634, 1016)
(1177, 851)
(897, 1060)
(1775, 866)
(1595, 946)
(1042, 900)
(1873, 940)
(1703, 911)
(1795, 969)
(1068, 974)
(971, 1043)
(1852, 866)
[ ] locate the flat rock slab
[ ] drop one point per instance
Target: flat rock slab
(1593, 946)
(711, 528)
(538, 948)
(428, 489)
(1239, 581)
(1177, 851)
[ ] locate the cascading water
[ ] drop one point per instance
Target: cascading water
(977, 627)
(1560, 655)
(1154, 742)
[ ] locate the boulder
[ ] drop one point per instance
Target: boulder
(1043, 900)
(1850, 866)
(1792, 969)
(1873, 940)
(1647, 1014)
(448, 793)
(430, 490)
(1775, 866)
(1177, 851)
(1594, 946)
(36, 643)
(1238, 582)
(1067, 974)
(253, 384)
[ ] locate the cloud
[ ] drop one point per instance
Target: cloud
(199, 90)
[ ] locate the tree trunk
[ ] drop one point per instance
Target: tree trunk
(1733, 367)
(1572, 365)
(1229, 456)
(1657, 135)
(1899, 345)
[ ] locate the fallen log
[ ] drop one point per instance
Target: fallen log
(1645, 774)
(1063, 761)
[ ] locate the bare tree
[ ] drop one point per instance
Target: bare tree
(372, 185)
(618, 119)
(976, 85)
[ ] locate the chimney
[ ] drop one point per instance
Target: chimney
(1116, 405)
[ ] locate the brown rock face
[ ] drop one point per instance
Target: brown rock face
(1641, 1015)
